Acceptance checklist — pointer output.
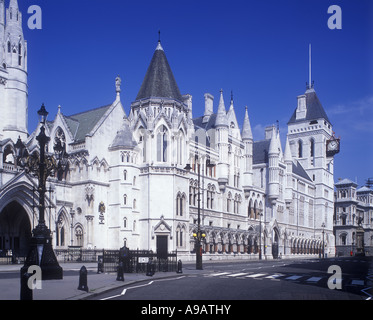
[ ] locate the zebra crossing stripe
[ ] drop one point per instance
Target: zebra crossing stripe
(274, 276)
(237, 274)
(293, 277)
(255, 275)
(219, 274)
(314, 279)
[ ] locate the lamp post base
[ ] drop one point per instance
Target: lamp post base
(41, 254)
(199, 257)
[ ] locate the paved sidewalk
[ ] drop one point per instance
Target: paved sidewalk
(66, 289)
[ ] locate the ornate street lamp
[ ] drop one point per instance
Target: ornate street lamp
(42, 166)
(199, 235)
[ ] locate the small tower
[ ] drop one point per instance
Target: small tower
(13, 76)
(247, 138)
(273, 167)
(221, 126)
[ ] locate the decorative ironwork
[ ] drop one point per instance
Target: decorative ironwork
(42, 166)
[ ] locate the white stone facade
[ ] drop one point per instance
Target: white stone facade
(127, 182)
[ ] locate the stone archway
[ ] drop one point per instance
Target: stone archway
(15, 229)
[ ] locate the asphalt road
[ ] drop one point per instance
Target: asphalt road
(351, 278)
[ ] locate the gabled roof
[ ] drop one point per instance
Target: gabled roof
(314, 107)
(82, 123)
(299, 171)
(198, 122)
(159, 80)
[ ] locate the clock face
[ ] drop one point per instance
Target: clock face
(333, 145)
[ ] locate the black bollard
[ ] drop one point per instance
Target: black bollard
(179, 267)
(120, 271)
(26, 292)
(83, 279)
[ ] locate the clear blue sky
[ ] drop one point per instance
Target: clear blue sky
(258, 49)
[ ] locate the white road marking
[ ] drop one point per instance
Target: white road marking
(139, 286)
(293, 277)
(314, 279)
(237, 274)
(219, 274)
(256, 275)
(274, 276)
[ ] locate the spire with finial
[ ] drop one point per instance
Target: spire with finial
(246, 133)
(221, 117)
(159, 46)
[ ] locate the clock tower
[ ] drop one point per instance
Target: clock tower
(13, 74)
(313, 145)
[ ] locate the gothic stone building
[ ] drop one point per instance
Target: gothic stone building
(127, 182)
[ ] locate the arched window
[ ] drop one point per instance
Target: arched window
(9, 47)
(300, 149)
(8, 156)
(134, 203)
(125, 199)
(62, 236)
(124, 175)
(312, 151)
(125, 223)
(162, 143)
(19, 54)
(180, 142)
(79, 236)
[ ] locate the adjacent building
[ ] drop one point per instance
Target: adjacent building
(353, 227)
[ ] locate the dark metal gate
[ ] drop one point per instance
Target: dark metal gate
(137, 260)
(110, 259)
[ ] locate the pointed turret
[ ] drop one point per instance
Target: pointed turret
(221, 117)
(273, 146)
(287, 153)
(247, 139)
(221, 125)
(273, 167)
(246, 129)
(159, 80)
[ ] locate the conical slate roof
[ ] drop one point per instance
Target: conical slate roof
(159, 81)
